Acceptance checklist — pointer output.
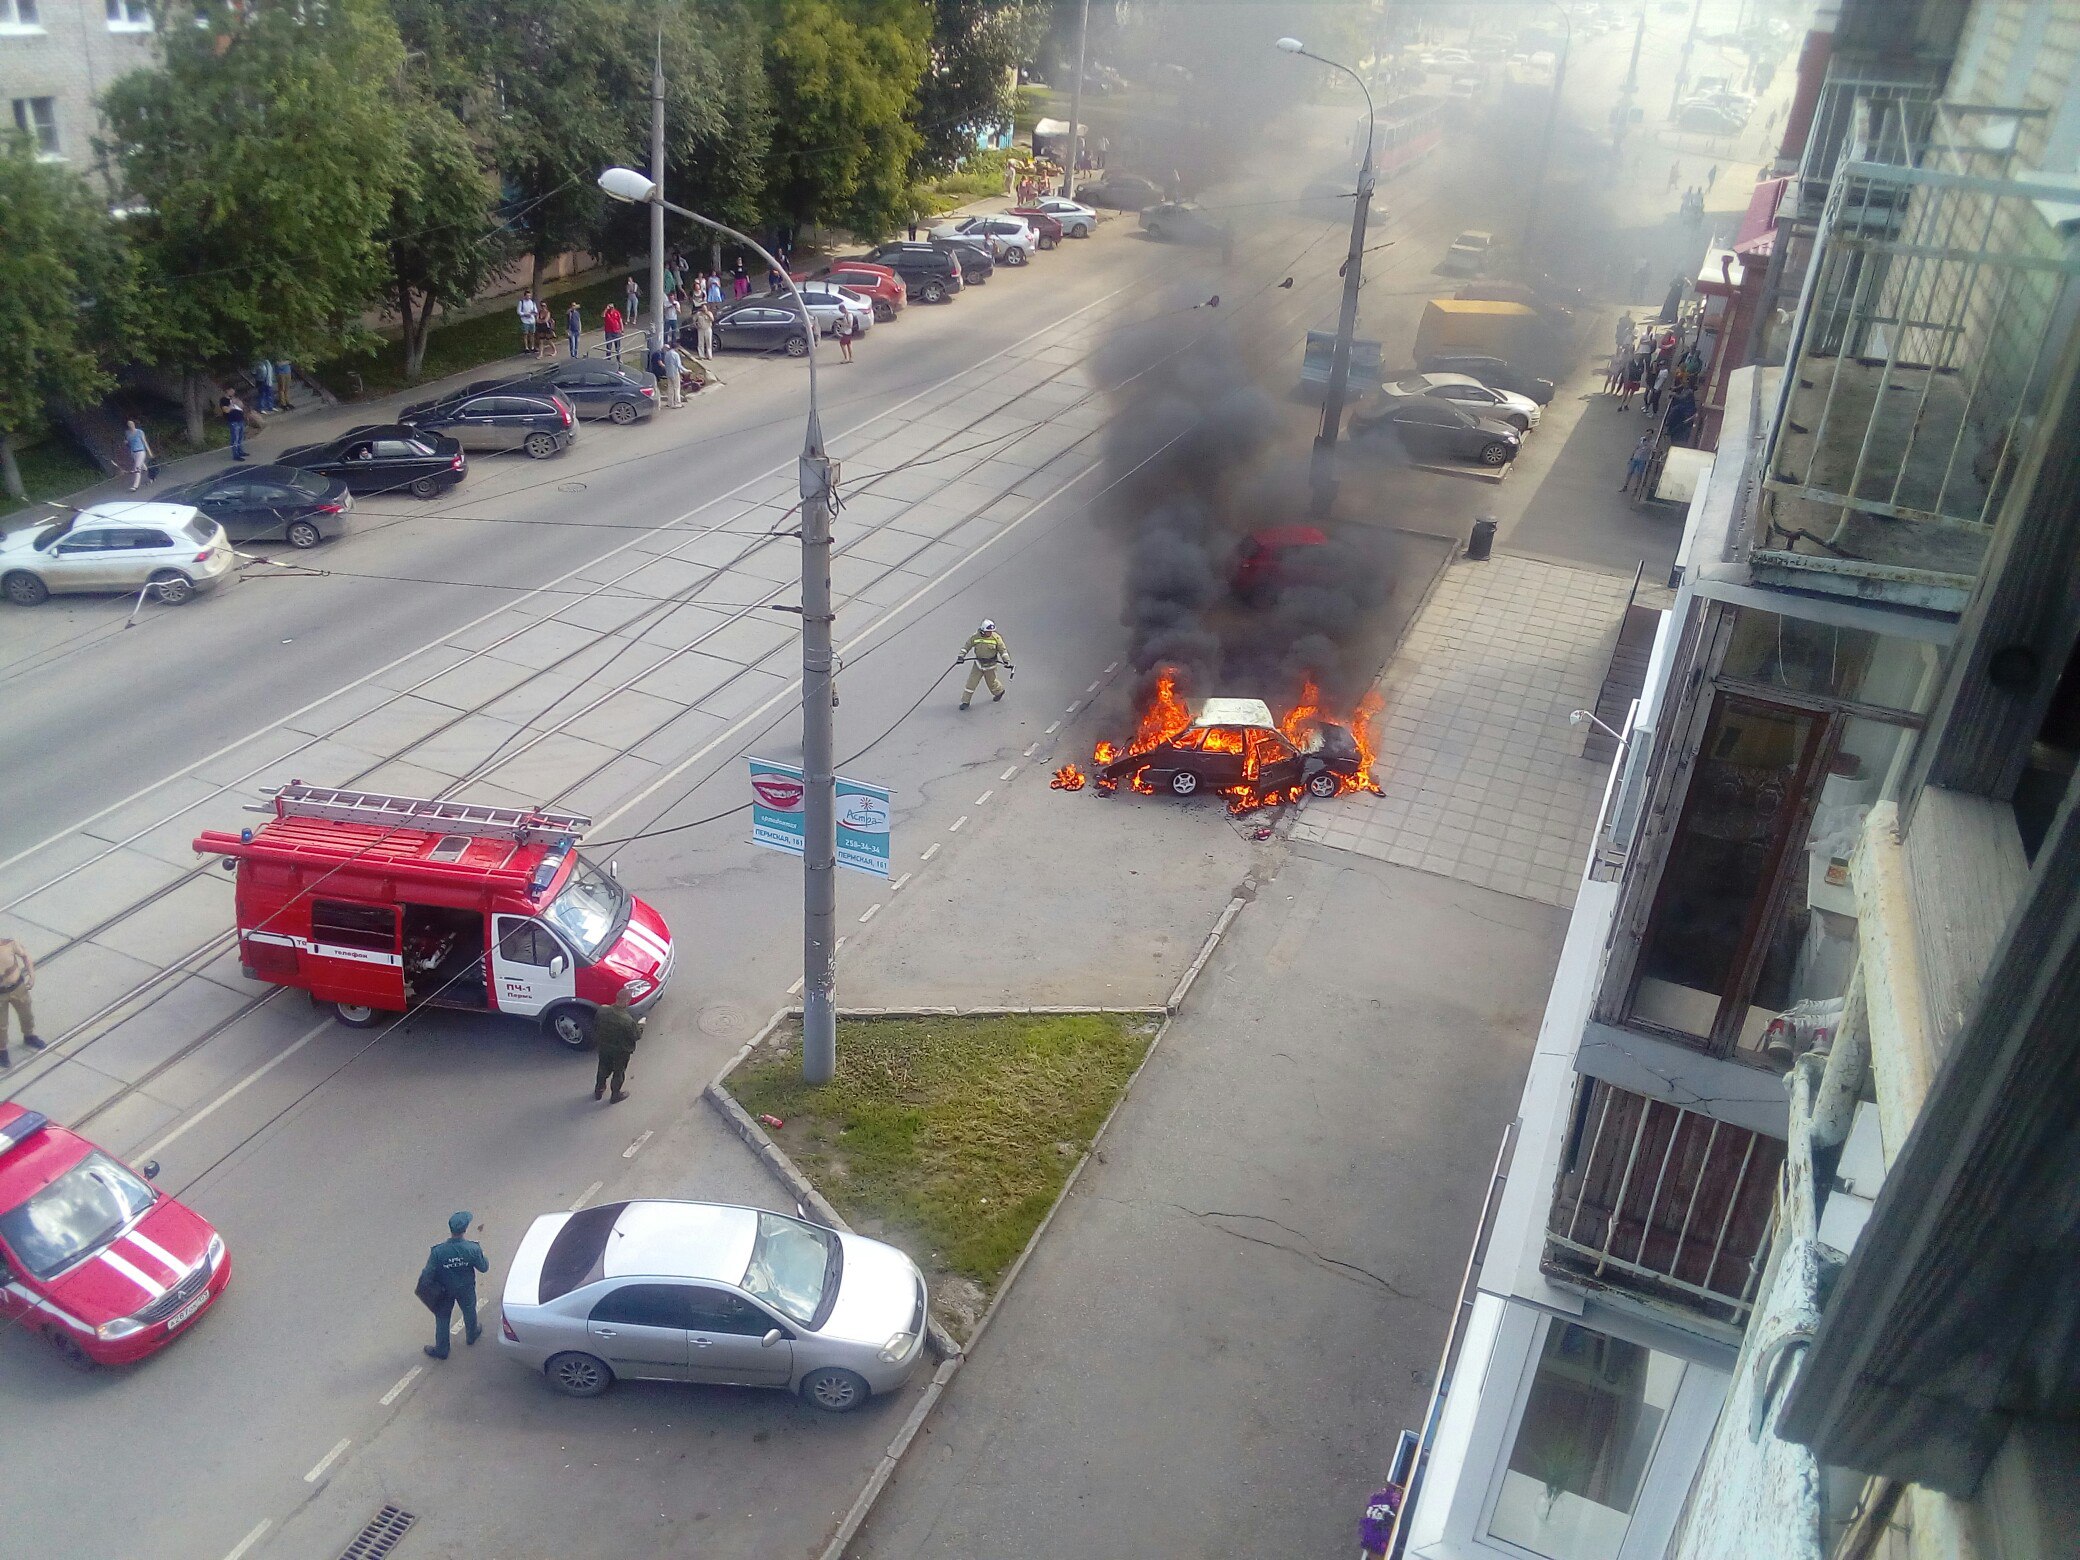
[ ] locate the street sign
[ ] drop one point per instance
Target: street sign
(863, 816)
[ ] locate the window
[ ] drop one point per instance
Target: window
(37, 118)
(87, 542)
(649, 1305)
(201, 530)
(1591, 1421)
(149, 541)
(344, 925)
(19, 16)
(523, 942)
(718, 1311)
(396, 449)
(128, 16)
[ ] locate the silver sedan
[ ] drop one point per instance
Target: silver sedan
(707, 1292)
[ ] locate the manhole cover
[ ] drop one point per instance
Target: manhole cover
(570, 487)
(724, 1020)
(384, 1529)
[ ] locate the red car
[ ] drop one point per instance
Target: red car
(878, 282)
(103, 1264)
(1045, 224)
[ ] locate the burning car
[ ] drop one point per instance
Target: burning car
(1233, 746)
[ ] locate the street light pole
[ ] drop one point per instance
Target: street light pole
(1545, 141)
(819, 477)
(1083, 34)
(657, 206)
(1322, 467)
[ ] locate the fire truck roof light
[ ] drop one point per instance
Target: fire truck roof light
(21, 1129)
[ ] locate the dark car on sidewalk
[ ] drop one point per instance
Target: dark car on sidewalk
(269, 503)
(928, 273)
(385, 458)
(518, 415)
(1430, 427)
(762, 325)
(1234, 743)
(597, 389)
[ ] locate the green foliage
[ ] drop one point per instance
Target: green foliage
(443, 236)
(259, 159)
(975, 46)
(846, 71)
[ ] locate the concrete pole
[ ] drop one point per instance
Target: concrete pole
(819, 759)
(1639, 36)
(1683, 65)
(1545, 141)
(1322, 468)
(1083, 35)
(656, 331)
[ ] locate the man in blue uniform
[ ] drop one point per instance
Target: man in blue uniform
(452, 1268)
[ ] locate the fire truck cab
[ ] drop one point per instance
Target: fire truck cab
(381, 904)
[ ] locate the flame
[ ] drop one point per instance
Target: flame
(1104, 753)
(1304, 716)
(1165, 716)
(1067, 778)
(1218, 741)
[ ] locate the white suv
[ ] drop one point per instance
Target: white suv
(122, 545)
(1011, 239)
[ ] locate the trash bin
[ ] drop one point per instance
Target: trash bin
(1482, 542)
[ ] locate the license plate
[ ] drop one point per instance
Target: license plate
(187, 1312)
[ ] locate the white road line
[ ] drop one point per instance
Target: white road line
(1007, 774)
(897, 886)
(246, 1544)
(955, 826)
(587, 1195)
(838, 944)
(1093, 688)
(1072, 709)
(636, 1147)
(1112, 668)
(985, 796)
(238, 1088)
(397, 1391)
(328, 1459)
(1029, 752)
(1051, 730)
(870, 912)
(796, 989)
(928, 855)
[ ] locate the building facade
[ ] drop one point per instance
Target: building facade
(56, 59)
(1784, 1257)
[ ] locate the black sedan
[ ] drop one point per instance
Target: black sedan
(269, 503)
(762, 325)
(1427, 426)
(598, 389)
(385, 458)
(1491, 371)
(1184, 223)
(1233, 746)
(1120, 192)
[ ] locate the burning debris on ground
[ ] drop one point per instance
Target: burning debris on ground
(1067, 778)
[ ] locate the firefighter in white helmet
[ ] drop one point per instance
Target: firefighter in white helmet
(984, 652)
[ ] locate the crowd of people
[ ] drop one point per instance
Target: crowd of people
(1650, 362)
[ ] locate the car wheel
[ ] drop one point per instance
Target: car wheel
(26, 590)
(797, 346)
(623, 412)
(1184, 782)
(835, 1391)
(1046, 242)
(302, 533)
(69, 1350)
(934, 292)
(1323, 784)
(540, 445)
(1496, 454)
(1014, 256)
(1081, 230)
(354, 1015)
(578, 1375)
(172, 587)
(424, 487)
(884, 311)
(570, 1024)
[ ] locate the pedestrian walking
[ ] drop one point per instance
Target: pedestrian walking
(714, 293)
(740, 280)
(671, 318)
(615, 1031)
(573, 327)
(234, 414)
(1104, 149)
(263, 375)
(1614, 371)
(704, 332)
(634, 293)
(1711, 176)
(1636, 467)
(1675, 174)
(983, 652)
(285, 383)
(1627, 330)
(529, 319)
(610, 322)
(17, 980)
(1635, 371)
(843, 332)
(139, 449)
(675, 374)
(448, 1280)
(1657, 389)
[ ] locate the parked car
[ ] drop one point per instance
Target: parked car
(978, 260)
(1234, 743)
(1120, 191)
(385, 458)
(1011, 239)
(1490, 371)
(268, 503)
(1184, 223)
(599, 389)
(827, 301)
(707, 1292)
(98, 1261)
(1427, 426)
(518, 415)
(1468, 254)
(1709, 119)
(1519, 411)
(762, 325)
(1077, 219)
(1047, 227)
(927, 272)
(122, 545)
(877, 282)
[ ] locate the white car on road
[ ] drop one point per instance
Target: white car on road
(1011, 239)
(1463, 390)
(1077, 219)
(122, 545)
(828, 300)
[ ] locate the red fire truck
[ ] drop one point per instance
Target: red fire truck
(378, 904)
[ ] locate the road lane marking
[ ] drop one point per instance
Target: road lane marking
(897, 886)
(840, 943)
(985, 796)
(1051, 730)
(1029, 752)
(636, 1147)
(246, 1544)
(1072, 709)
(870, 912)
(1112, 668)
(328, 1459)
(239, 1087)
(928, 855)
(1093, 688)
(587, 1195)
(397, 1391)
(1007, 774)
(796, 989)
(955, 828)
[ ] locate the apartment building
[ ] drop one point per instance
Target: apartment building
(56, 59)
(1782, 1260)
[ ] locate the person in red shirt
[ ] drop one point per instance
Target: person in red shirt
(612, 321)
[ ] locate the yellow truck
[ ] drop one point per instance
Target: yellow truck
(1460, 327)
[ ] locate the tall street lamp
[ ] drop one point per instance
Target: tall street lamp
(1323, 469)
(819, 803)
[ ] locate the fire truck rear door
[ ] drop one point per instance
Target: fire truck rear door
(531, 970)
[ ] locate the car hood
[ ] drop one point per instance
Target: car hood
(22, 543)
(1506, 430)
(644, 948)
(877, 1297)
(135, 1268)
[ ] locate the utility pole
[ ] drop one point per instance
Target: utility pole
(1639, 35)
(1083, 38)
(1545, 141)
(1683, 65)
(657, 206)
(819, 766)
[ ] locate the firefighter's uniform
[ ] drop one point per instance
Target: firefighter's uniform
(985, 652)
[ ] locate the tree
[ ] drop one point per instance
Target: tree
(844, 73)
(259, 156)
(443, 235)
(976, 47)
(65, 294)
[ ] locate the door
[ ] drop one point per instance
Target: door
(475, 425)
(357, 468)
(1274, 765)
(86, 560)
(725, 1335)
(139, 554)
(242, 507)
(525, 973)
(640, 1330)
(402, 464)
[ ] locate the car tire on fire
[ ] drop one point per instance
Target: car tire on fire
(1184, 783)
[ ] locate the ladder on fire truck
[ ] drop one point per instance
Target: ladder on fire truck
(520, 824)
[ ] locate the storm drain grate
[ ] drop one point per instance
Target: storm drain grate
(384, 1529)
